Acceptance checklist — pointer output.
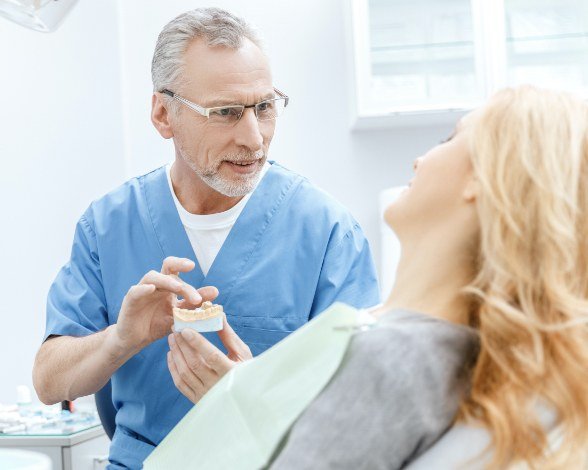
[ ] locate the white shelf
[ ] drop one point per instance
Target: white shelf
(415, 118)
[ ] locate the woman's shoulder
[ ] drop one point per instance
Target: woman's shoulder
(416, 347)
(399, 329)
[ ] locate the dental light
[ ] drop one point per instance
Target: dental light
(40, 15)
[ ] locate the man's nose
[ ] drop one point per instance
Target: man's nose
(247, 131)
(416, 163)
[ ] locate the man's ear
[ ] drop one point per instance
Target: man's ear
(471, 190)
(160, 116)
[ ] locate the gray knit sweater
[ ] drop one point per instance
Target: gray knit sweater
(397, 391)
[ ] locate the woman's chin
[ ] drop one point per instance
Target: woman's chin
(391, 215)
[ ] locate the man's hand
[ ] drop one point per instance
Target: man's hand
(146, 313)
(196, 364)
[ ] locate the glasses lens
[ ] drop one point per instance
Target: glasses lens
(228, 115)
(270, 109)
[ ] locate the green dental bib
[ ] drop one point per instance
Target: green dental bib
(243, 419)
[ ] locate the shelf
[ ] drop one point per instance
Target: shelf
(412, 118)
(516, 59)
(435, 67)
(437, 45)
(551, 37)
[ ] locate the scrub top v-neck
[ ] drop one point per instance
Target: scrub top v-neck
(292, 252)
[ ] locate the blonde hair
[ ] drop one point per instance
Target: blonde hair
(529, 150)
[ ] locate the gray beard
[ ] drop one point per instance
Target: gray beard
(239, 188)
(231, 188)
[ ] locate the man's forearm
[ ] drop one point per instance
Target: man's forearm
(69, 367)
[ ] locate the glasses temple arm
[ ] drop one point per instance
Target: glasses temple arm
(283, 95)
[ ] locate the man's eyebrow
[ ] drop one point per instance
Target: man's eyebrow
(224, 101)
(220, 101)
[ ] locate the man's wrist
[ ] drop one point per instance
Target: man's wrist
(119, 351)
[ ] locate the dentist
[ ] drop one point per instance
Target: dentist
(277, 250)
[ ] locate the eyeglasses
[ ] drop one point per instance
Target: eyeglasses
(265, 110)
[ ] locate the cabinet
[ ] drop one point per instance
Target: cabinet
(428, 61)
(83, 450)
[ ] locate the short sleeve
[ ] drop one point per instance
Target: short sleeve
(348, 274)
(76, 304)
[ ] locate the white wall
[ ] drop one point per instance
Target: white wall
(69, 135)
(61, 147)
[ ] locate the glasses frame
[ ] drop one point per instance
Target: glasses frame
(206, 111)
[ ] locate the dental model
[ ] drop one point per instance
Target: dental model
(208, 317)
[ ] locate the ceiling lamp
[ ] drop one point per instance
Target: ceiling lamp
(40, 15)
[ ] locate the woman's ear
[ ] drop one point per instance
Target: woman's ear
(160, 116)
(471, 190)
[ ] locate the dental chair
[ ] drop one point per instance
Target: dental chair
(459, 448)
(463, 447)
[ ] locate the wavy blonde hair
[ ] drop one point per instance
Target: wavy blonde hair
(529, 149)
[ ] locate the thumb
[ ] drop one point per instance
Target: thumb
(237, 350)
(208, 293)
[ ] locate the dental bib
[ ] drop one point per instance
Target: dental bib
(242, 420)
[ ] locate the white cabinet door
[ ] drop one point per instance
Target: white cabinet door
(83, 456)
(422, 61)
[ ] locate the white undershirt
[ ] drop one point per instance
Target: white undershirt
(207, 233)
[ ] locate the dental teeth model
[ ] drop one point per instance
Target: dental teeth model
(208, 317)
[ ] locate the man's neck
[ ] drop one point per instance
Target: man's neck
(195, 195)
(430, 279)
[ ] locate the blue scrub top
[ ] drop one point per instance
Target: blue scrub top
(292, 252)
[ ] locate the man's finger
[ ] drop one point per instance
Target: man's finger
(172, 284)
(213, 357)
(208, 293)
(178, 382)
(138, 291)
(162, 282)
(194, 363)
(174, 265)
(185, 373)
(237, 349)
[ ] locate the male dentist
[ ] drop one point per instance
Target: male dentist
(277, 250)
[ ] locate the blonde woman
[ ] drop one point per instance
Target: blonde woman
(487, 321)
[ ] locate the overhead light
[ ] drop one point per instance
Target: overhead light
(40, 15)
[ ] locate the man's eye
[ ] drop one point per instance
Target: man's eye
(264, 106)
(226, 112)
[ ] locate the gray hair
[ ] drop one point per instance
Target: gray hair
(218, 27)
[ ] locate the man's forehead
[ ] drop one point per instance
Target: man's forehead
(213, 63)
(220, 94)
(226, 75)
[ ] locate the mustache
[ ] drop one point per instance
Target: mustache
(245, 156)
